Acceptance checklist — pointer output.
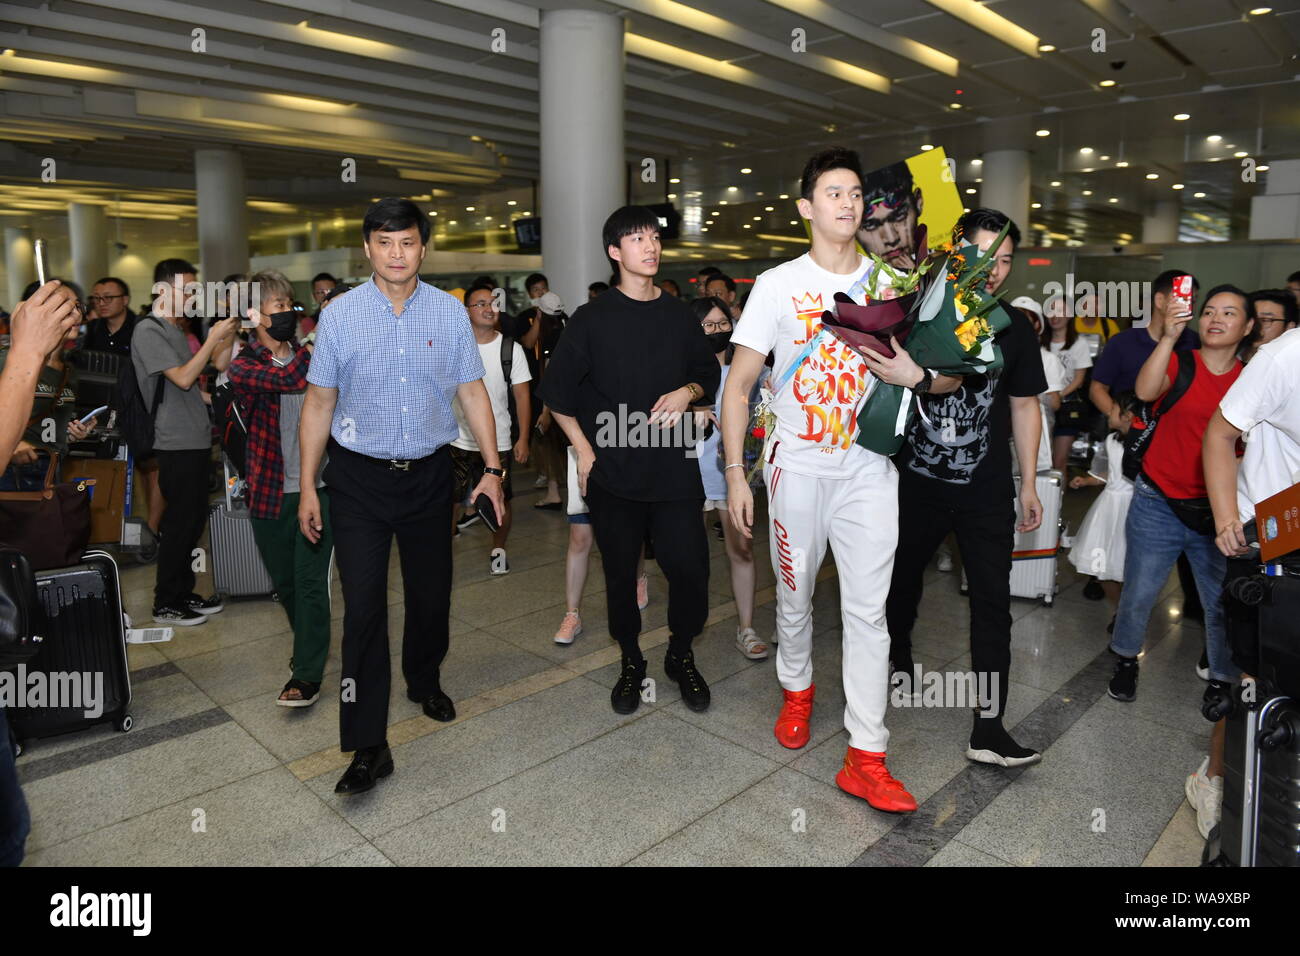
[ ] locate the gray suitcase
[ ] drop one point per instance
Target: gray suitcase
(237, 566)
(1034, 555)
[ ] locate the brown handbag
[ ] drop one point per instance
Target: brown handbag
(51, 526)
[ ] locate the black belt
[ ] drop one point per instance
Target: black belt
(390, 464)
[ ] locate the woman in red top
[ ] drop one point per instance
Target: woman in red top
(1169, 513)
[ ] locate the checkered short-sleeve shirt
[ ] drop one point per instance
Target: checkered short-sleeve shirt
(396, 374)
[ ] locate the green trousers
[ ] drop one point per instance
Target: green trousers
(300, 572)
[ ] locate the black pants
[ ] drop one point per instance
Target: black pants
(369, 504)
(681, 548)
(928, 511)
(183, 481)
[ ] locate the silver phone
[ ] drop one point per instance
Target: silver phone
(42, 274)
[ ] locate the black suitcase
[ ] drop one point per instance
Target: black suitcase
(1260, 825)
(86, 635)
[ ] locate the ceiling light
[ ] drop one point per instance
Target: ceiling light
(1262, 169)
(1104, 158)
(758, 219)
(1087, 169)
(1046, 48)
(982, 18)
(674, 180)
(1230, 146)
(1240, 153)
(794, 222)
(926, 147)
(1086, 150)
(1261, 11)
(1056, 182)
(1035, 205)
(746, 171)
(1176, 186)
(746, 225)
(977, 162)
(1122, 164)
(487, 218)
(452, 223)
(1199, 195)
(970, 192)
(1214, 138)
(511, 202)
(1153, 175)
(1106, 83)
(784, 196)
(1043, 132)
(1087, 192)
(954, 106)
(1112, 199)
(672, 195)
(768, 208)
(469, 208)
(733, 189)
(1182, 116)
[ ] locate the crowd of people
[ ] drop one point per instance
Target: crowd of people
(398, 410)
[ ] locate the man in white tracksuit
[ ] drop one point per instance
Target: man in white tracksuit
(822, 486)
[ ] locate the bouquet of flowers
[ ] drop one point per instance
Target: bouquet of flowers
(951, 330)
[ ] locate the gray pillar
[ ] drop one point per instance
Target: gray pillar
(1160, 224)
(1276, 214)
(295, 243)
(1006, 185)
(223, 213)
(20, 261)
(313, 237)
(582, 161)
(88, 230)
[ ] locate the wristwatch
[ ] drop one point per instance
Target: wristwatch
(495, 472)
(927, 379)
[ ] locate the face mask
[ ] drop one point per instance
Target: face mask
(719, 340)
(283, 325)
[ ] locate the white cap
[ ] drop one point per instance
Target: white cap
(551, 304)
(1026, 302)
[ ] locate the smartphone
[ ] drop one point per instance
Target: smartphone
(95, 414)
(42, 274)
(1182, 293)
(483, 505)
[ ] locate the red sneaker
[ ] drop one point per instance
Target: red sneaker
(864, 775)
(792, 726)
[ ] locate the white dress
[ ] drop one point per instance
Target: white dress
(1099, 546)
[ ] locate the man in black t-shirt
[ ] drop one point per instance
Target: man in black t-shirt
(955, 476)
(622, 382)
(111, 329)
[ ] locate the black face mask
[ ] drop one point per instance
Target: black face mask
(719, 340)
(283, 325)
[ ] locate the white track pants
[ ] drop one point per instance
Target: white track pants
(858, 517)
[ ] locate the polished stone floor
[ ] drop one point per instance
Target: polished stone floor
(537, 769)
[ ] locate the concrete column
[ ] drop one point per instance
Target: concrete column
(1160, 224)
(313, 237)
(223, 213)
(20, 262)
(295, 243)
(1006, 185)
(582, 162)
(1276, 214)
(88, 230)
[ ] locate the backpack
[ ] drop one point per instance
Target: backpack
(135, 420)
(507, 363)
(231, 419)
(1148, 414)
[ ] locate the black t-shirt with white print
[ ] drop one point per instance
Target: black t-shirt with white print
(965, 440)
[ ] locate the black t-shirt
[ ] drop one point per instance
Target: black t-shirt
(965, 443)
(616, 357)
(100, 339)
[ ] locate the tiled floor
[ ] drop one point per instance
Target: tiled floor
(537, 769)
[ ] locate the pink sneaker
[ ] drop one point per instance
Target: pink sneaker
(642, 592)
(570, 628)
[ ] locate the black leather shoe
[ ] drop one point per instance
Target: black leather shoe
(437, 706)
(368, 766)
(695, 692)
(626, 696)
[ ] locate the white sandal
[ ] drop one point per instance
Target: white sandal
(749, 644)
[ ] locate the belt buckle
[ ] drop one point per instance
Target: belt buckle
(396, 465)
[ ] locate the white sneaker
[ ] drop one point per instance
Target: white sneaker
(1205, 794)
(945, 560)
(570, 628)
(541, 482)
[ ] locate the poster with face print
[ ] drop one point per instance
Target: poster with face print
(918, 191)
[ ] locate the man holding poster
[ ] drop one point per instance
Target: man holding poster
(823, 488)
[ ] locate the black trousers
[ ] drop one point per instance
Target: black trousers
(369, 504)
(183, 481)
(620, 526)
(928, 510)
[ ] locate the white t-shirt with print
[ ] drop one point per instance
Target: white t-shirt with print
(1264, 403)
(1077, 356)
(817, 408)
(495, 383)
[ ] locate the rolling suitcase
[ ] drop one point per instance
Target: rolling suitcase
(1260, 825)
(237, 566)
(83, 657)
(1034, 555)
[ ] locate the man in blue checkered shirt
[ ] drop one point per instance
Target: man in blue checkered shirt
(390, 356)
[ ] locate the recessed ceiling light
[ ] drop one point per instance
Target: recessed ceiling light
(1087, 192)
(746, 225)
(794, 222)
(1056, 182)
(1199, 195)
(1087, 169)
(926, 147)
(768, 208)
(1106, 83)
(704, 229)
(528, 212)
(1086, 150)
(784, 196)
(970, 192)
(1176, 186)
(1122, 164)
(469, 208)
(955, 106)
(1113, 199)
(1046, 48)
(674, 180)
(758, 219)
(672, 195)
(511, 202)
(1182, 116)
(977, 162)
(1035, 205)
(1153, 175)
(1262, 169)
(452, 223)
(1261, 11)
(1104, 158)
(1240, 153)
(1043, 132)
(746, 171)
(1214, 138)
(1229, 145)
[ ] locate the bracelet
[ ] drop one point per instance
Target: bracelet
(734, 465)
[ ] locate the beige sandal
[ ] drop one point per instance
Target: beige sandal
(748, 643)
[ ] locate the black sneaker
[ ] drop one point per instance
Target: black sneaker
(466, 520)
(626, 696)
(1124, 684)
(177, 617)
(990, 743)
(1093, 590)
(695, 692)
(200, 605)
